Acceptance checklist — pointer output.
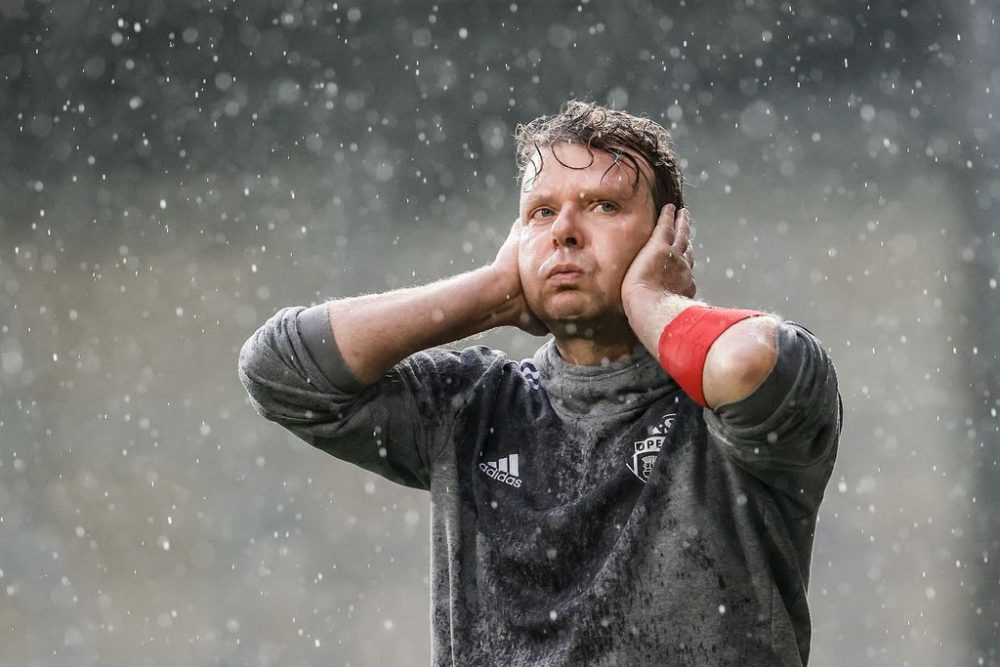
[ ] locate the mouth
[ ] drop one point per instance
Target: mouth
(564, 274)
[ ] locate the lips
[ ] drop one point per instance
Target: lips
(563, 273)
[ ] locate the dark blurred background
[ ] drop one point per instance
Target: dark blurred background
(171, 174)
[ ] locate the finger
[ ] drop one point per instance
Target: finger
(665, 225)
(682, 237)
(689, 256)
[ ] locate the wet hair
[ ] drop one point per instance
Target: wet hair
(620, 134)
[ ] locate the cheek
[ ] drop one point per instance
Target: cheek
(627, 245)
(527, 262)
(528, 252)
(635, 239)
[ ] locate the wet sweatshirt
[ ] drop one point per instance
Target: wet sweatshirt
(581, 515)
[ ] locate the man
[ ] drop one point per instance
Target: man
(644, 490)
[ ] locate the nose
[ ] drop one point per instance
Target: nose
(566, 230)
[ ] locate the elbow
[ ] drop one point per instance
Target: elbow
(263, 372)
(279, 386)
(249, 359)
(260, 358)
(246, 369)
(747, 368)
(247, 352)
(739, 362)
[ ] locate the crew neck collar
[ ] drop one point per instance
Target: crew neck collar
(625, 384)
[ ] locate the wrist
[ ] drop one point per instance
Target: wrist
(639, 300)
(649, 310)
(499, 296)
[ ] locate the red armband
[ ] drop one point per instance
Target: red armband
(684, 344)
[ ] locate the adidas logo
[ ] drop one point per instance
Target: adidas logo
(503, 470)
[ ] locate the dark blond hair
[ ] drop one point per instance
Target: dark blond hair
(617, 133)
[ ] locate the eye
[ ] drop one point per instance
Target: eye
(607, 207)
(542, 213)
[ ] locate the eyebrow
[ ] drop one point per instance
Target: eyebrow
(620, 192)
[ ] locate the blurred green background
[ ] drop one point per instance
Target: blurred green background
(171, 174)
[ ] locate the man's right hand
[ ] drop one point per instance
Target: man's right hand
(375, 331)
(517, 313)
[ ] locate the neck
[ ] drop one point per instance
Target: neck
(601, 348)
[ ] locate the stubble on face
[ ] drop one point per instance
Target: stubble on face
(574, 181)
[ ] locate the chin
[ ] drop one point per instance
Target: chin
(583, 304)
(573, 320)
(568, 310)
(584, 321)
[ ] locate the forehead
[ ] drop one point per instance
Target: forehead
(584, 168)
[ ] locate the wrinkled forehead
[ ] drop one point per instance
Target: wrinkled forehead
(614, 167)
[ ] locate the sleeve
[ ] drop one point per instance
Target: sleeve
(296, 377)
(786, 433)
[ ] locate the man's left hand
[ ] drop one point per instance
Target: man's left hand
(666, 262)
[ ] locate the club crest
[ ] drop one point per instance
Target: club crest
(646, 450)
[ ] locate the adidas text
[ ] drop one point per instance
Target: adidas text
(504, 470)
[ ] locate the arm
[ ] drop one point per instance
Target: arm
(295, 377)
(786, 433)
(376, 331)
(390, 423)
(772, 389)
(653, 292)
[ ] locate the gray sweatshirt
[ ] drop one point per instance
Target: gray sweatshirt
(581, 515)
